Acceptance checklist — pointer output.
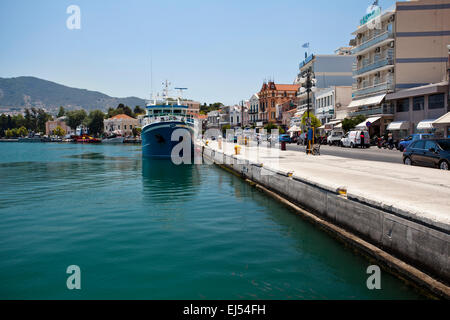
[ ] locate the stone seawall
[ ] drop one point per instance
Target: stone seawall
(423, 245)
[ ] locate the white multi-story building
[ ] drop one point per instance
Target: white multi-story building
(235, 116)
(253, 112)
(329, 70)
(332, 103)
(401, 67)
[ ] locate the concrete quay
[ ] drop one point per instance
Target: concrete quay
(401, 213)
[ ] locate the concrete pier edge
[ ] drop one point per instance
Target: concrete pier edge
(398, 267)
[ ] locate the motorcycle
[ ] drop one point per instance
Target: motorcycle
(382, 143)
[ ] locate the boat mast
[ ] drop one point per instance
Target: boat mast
(166, 85)
(180, 97)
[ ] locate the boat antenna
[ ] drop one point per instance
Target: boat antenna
(166, 85)
(180, 97)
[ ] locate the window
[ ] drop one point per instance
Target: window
(419, 145)
(436, 101)
(430, 144)
(418, 103)
(125, 127)
(403, 105)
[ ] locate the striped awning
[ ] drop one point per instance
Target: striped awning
(367, 101)
(426, 124)
(398, 125)
(445, 119)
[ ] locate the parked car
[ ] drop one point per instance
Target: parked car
(404, 143)
(353, 139)
(334, 138)
(285, 138)
(433, 153)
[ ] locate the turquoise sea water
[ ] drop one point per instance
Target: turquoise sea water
(141, 229)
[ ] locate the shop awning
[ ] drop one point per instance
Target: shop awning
(339, 126)
(363, 125)
(398, 125)
(426, 124)
(367, 101)
(294, 129)
(444, 120)
(332, 124)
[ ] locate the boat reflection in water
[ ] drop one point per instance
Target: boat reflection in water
(167, 184)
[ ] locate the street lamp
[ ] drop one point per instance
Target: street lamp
(308, 83)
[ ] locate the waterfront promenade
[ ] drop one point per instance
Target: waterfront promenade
(403, 209)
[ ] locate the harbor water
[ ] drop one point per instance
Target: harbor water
(146, 229)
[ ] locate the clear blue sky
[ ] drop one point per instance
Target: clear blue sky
(221, 50)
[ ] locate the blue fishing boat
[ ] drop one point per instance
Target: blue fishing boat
(165, 125)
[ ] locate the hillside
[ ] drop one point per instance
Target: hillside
(35, 92)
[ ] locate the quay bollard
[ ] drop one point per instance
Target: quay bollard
(237, 149)
(283, 145)
(342, 191)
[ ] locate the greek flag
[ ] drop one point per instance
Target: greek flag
(305, 45)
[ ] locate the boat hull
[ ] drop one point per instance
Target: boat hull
(157, 139)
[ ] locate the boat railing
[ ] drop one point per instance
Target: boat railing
(168, 118)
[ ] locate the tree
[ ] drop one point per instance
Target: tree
(350, 123)
(75, 118)
(60, 132)
(42, 118)
(121, 109)
(270, 126)
(225, 128)
(29, 121)
(127, 110)
(138, 110)
(3, 125)
(315, 122)
(95, 122)
(22, 132)
(61, 112)
(137, 131)
(204, 109)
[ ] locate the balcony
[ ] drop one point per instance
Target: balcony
(378, 38)
(386, 87)
(377, 64)
(373, 111)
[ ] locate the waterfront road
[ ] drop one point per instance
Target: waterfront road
(421, 193)
(370, 154)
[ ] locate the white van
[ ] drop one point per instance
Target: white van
(353, 139)
(334, 137)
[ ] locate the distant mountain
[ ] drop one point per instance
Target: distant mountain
(34, 92)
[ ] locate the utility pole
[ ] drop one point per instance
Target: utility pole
(308, 84)
(242, 114)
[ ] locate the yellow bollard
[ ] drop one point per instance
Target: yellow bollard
(206, 142)
(246, 141)
(237, 149)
